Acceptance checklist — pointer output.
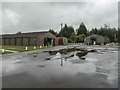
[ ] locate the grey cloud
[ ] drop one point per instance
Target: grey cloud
(43, 16)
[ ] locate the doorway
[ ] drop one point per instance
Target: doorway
(93, 41)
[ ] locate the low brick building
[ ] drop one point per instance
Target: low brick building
(29, 39)
(96, 39)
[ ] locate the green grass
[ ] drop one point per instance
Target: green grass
(74, 44)
(6, 52)
(96, 45)
(21, 48)
(113, 44)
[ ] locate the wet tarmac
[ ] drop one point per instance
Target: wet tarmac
(70, 66)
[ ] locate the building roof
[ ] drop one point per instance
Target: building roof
(29, 34)
(95, 36)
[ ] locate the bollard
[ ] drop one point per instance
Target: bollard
(3, 51)
(94, 43)
(40, 46)
(34, 47)
(26, 48)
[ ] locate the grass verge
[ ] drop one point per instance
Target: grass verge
(6, 52)
(21, 48)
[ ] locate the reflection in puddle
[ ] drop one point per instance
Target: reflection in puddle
(65, 51)
(83, 68)
(91, 59)
(69, 52)
(76, 54)
(75, 57)
(17, 61)
(41, 65)
(81, 54)
(57, 56)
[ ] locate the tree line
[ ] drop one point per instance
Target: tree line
(78, 35)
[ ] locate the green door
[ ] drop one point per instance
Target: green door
(18, 41)
(7, 41)
(32, 42)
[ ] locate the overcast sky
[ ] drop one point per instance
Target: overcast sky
(40, 16)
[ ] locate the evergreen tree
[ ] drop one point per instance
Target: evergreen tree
(66, 31)
(53, 32)
(82, 29)
(93, 31)
(73, 37)
(118, 36)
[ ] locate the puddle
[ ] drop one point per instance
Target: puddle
(17, 61)
(81, 54)
(35, 54)
(102, 70)
(41, 65)
(48, 58)
(69, 52)
(65, 51)
(57, 56)
(9, 67)
(73, 61)
(92, 51)
(91, 59)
